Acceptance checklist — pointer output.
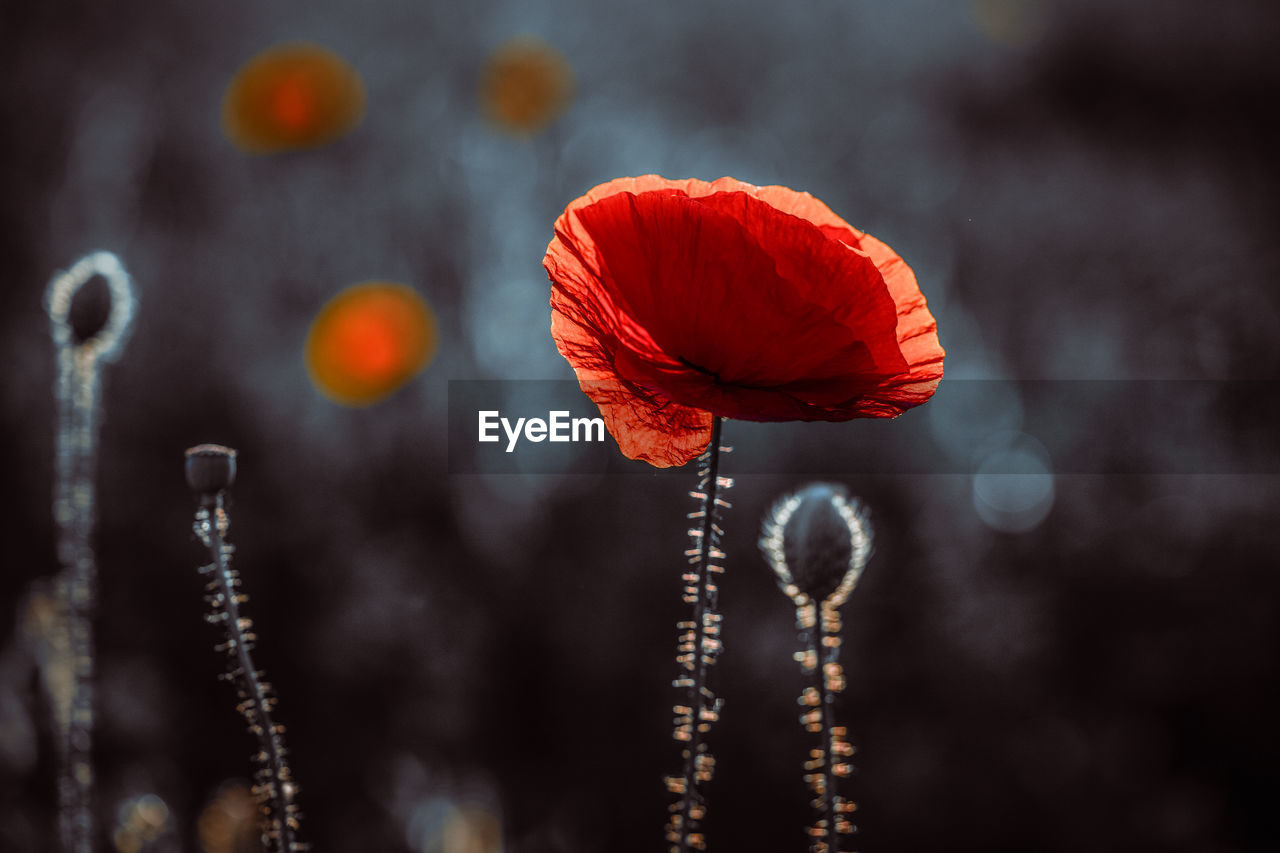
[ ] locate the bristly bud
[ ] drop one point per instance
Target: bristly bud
(211, 469)
(91, 306)
(90, 309)
(817, 540)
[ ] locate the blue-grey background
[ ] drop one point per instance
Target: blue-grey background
(1087, 189)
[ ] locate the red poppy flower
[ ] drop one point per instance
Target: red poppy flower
(679, 301)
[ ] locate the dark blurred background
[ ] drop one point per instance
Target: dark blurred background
(1053, 660)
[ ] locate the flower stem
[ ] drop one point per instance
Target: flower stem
(697, 650)
(274, 786)
(71, 675)
(825, 802)
(828, 763)
(830, 642)
(89, 326)
(817, 541)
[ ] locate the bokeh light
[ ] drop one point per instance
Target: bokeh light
(368, 341)
(230, 822)
(1013, 488)
(140, 821)
(440, 825)
(525, 85)
(292, 96)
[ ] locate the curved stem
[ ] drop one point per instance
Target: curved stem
(274, 776)
(84, 342)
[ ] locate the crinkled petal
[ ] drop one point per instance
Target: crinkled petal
(677, 300)
(723, 291)
(647, 426)
(917, 330)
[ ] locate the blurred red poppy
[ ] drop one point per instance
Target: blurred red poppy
(679, 301)
(292, 96)
(526, 84)
(368, 341)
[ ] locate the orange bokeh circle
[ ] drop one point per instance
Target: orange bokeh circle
(292, 96)
(368, 341)
(525, 85)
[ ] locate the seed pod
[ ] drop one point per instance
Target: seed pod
(211, 469)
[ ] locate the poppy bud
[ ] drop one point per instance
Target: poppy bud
(211, 469)
(817, 540)
(90, 309)
(91, 306)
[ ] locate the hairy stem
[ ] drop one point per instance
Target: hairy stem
(699, 645)
(275, 788)
(76, 587)
(89, 328)
(826, 801)
(830, 761)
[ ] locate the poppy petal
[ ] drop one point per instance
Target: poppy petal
(917, 330)
(680, 300)
(690, 283)
(646, 426)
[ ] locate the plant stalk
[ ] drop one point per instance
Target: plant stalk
(276, 781)
(700, 645)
